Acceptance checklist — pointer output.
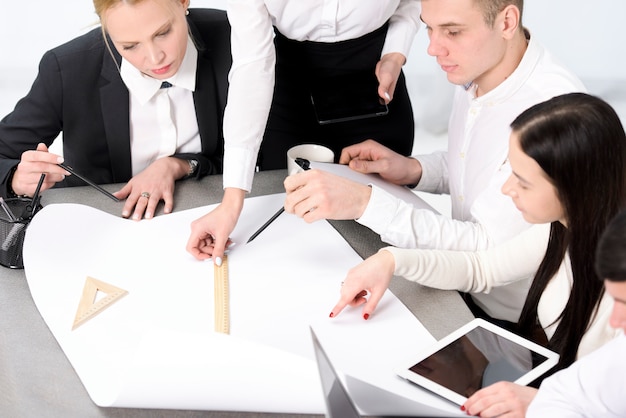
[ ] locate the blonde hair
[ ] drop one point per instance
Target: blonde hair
(102, 6)
(491, 8)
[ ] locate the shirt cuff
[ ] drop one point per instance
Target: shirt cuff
(402, 257)
(379, 211)
(430, 180)
(239, 167)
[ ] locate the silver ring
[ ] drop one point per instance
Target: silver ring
(145, 194)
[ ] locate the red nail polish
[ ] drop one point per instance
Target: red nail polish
(462, 407)
(366, 316)
(331, 315)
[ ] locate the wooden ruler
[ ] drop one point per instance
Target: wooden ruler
(222, 308)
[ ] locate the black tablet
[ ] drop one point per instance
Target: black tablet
(475, 356)
(347, 97)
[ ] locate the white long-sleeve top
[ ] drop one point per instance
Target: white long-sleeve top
(472, 171)
(485, 270)
(252, 74)
(591, 387)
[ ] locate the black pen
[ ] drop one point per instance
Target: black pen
(305, 164)
(89, 182)
(36, 197)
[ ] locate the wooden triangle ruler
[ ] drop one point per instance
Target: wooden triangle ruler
(88, 307)
(221, 296)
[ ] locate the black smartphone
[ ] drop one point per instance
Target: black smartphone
(347, 97)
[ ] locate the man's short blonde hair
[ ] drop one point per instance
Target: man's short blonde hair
(491, 8)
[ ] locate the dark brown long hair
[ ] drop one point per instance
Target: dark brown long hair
(611, 251)
(579, 142)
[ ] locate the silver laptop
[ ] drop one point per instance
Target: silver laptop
(338, 401)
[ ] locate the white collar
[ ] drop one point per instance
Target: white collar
(144, 87)
(526, 67)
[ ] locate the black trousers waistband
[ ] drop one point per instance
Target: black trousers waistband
(330, 58)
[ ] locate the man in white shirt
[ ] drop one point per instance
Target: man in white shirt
(594, 385)
(499, 72)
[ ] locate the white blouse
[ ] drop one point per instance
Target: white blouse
(485, 270)
(162, 121)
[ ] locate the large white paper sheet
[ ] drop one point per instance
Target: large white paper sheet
(155, 347)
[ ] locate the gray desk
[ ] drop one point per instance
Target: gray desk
(37, 380)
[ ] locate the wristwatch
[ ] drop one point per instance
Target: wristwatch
(193, 167)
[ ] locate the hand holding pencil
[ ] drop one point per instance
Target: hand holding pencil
(32, 164)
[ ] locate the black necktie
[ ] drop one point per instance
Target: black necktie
(166, 85)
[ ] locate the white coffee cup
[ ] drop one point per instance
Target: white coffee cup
(311, 152)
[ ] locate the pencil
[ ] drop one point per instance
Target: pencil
(266, 224)
(305, 164)
(89, 182)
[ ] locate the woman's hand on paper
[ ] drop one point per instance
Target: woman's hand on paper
(371, 277)
(210, 234)
(502, 399)
(30, 167)
(145, 190)
(371, 157)
(315, 194)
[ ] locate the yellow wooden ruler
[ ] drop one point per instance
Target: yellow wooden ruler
(222, 308)
(88, 307)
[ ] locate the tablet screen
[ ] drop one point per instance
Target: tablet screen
(347, 97)
(477, 356)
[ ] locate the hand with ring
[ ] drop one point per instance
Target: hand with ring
(154, 184)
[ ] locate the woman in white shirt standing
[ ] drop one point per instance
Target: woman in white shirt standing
(568, 157)
(594, 385)
(278, 48)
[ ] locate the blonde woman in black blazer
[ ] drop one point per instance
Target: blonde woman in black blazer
(80, 93)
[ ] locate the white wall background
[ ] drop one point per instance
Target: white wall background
(587, 36)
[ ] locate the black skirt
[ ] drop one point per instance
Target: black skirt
(292, 118)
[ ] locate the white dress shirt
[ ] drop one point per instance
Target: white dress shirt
(591, 387)
(252, 74)
(472, 171)
(486, 270)
(162, 121)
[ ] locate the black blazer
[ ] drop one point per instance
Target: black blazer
(80, 93)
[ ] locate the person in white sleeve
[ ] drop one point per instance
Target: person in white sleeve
(280, 48)
(568, 160)
(499, 71)
(594, 385)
